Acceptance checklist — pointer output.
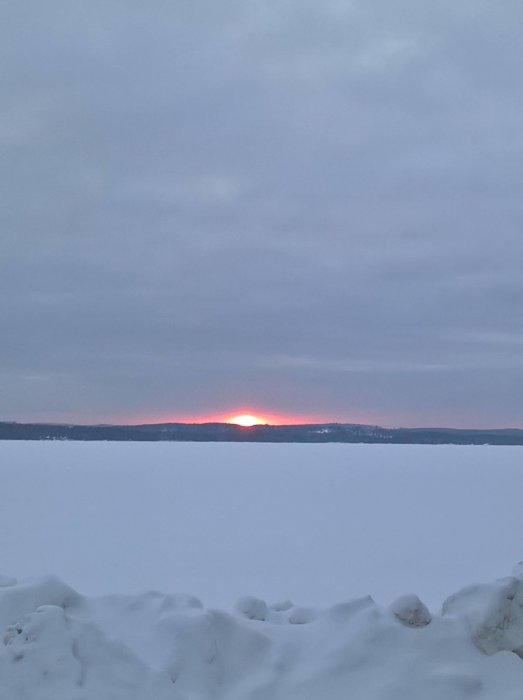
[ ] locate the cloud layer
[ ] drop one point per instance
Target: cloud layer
(311, 208)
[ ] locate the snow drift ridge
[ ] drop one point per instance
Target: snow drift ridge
(60, 645)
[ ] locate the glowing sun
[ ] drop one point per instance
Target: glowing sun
(246, 420)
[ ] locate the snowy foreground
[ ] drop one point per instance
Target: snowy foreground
(60, 645)
(317, 524)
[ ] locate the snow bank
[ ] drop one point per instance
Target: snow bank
(60, 645)
(494, 613)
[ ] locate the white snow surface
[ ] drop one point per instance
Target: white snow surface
(274, 536)
(59, 645)
(315, 524)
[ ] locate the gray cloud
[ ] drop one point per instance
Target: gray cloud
(303, 207)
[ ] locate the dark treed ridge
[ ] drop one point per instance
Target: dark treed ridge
(226, 432)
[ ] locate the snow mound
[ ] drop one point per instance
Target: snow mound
(494, 613)
(48, 656)
(60, 645)
(253, 608)
(411, 611)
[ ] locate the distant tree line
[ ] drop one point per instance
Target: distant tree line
(225, 432)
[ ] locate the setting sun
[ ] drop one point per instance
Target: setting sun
(246, 420)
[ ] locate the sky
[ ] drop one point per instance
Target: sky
(310, 210)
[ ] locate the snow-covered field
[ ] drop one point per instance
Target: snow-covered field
(315, 523)
(320, 525)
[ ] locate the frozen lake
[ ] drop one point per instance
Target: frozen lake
(314, 523)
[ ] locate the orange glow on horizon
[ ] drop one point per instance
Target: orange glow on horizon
(262, 416)
(242, 416)
(247, 420)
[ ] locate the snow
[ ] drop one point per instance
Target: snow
(267, 540)
(59, 645)
(314, 524)
(494, 613)
(253, 608)
(410, 610)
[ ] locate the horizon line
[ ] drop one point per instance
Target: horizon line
(259, 425)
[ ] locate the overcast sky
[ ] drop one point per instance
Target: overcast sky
(302, 208)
